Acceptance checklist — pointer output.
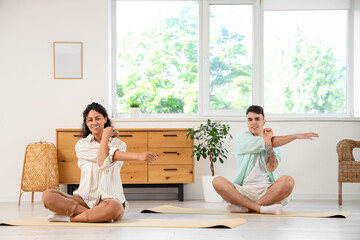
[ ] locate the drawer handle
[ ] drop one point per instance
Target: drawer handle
(78, 136)
(129, 135)
(170, 135)
(170, 169)
(172, 153)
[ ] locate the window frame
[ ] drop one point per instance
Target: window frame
(283, 5)
(259, 6)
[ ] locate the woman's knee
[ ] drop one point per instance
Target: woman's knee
(47, 196)
(115, 209)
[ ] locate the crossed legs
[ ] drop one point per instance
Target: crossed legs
(78, 211)
(277, 192)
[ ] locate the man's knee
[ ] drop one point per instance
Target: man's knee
(219, 182)
(288, 183)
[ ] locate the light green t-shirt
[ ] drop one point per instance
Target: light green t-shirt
(247, 148)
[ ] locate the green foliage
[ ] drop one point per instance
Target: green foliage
(210, 142)
(171, 104)
(230, 78)
(304, 77)
(134, 104)
(160, 69)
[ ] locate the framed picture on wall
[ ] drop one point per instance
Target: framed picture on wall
(68, 60)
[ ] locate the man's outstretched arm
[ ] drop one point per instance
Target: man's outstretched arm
(278, 141)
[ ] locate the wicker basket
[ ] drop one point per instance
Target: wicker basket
(40, 169)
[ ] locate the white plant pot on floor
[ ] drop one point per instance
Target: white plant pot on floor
(135, 112)
(210, 194)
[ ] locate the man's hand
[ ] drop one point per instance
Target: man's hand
(309, 136)
(267, 134)
(147, 157)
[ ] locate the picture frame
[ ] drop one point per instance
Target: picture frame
(68, 60)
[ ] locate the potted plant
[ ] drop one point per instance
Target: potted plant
(134, 109)
(209, 145)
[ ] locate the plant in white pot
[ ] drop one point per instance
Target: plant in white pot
(209, 145)
(134, 109)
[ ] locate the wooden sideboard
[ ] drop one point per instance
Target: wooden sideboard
(174, 167)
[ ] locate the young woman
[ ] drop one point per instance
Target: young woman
(100, 153)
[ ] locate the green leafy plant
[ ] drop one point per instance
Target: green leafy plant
(210, 142)
(134, 104)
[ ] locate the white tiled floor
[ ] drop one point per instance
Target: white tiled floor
(257, 227)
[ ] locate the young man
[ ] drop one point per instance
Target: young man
(257, 186)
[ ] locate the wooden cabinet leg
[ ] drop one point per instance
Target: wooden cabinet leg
(181, 192)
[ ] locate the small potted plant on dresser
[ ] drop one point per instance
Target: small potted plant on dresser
(210, 145)
(134, 109)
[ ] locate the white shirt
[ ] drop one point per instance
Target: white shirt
(99, 182)
(258, 175)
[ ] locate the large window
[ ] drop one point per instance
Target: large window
(230, 57)
(305, 61)
(157, 56)
(215, 58)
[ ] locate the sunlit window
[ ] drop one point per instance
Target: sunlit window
(157, 56)
(215, 58)
(230, 56)
(305, 61)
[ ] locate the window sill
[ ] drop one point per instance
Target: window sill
(237, 119)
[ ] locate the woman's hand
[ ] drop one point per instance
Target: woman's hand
(147, 157)
(109, 132)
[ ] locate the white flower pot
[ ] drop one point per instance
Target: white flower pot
(210, 195)
(135, 112)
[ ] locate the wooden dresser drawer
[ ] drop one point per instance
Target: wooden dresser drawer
(69, 172)
(173, 155)
(170, 173)
(66, 142)
(169, 139)
(134, 172)
(135, 141)
(175, 164)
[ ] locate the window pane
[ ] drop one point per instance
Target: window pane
(305, 61)
(157, 56)
(230, 56)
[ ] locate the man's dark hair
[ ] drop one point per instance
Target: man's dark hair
(255, 109)
(100, 109)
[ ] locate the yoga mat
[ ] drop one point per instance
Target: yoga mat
(181, 210)
(164, 223)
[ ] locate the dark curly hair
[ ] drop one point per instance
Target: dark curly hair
(100, 109)
(255, 109)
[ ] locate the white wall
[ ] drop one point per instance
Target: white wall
(33, 104)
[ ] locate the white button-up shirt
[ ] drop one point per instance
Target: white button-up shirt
(99, 182)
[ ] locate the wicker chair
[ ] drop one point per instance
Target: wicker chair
(40, 169)
(349, 169)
